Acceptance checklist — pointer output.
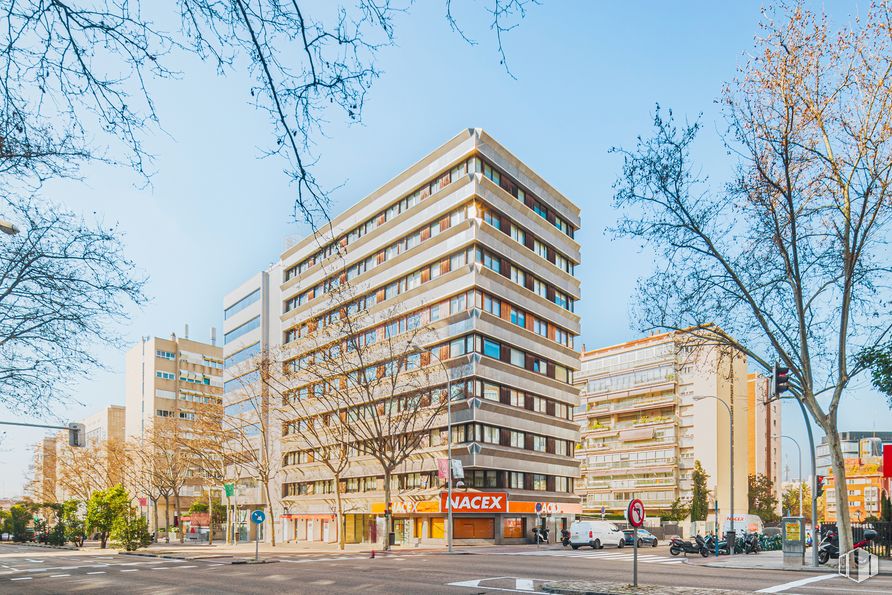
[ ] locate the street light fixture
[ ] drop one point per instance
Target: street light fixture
(8, 227)
(418, 347)
(800, 467)
(731, 544)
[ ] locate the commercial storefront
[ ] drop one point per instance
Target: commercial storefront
(490, 516)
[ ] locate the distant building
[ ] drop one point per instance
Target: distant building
(764, 433)
(643, 426)
(866, 484)
(43, 483)
(176, 379)
(851, 442)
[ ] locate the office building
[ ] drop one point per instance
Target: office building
(474, 246)
(866, 479)
(647, 414)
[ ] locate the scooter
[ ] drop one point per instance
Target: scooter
(751, 544)
(829, 547)
(565, 537)
(541, 535)
(723, 545)
(698, 546)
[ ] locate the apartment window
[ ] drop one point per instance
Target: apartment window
(518, 276)
(540, 210)
(518, 399)
(458, 303)
(480, 478)
(491, 348)
(492, 218)
(490, 434)
(515, 480)
(490, 391)
(165, 375)
(539, 483)
(540, 327)
(562, 484)
(518, 234)
(490, 173)
(561, 447)
(518, 358)
(240, 356)
(187, 415)
(489, 261)
(165, 354)
(540, 249)
(540, 366)
(459, 346)
(539, 288)
(518, 317)
(539, 443)
(163, 413)
(539, 405)
(517, 439)
(492, 305)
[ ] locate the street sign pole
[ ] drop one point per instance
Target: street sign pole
(635, 515)
(635, 558)
(257, 517)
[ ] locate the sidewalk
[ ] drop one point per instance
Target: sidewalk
(773, 560)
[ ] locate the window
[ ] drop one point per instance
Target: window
(240, 356)
(459, 347)
(540, 210)
(540, 366)
(539, 288)
(539, 483)
(492, 218)
(491, 262)
(562, 484)
(165, 354)
(518, 234)
(513, 528)
(515, 480)
(561, 447)
(163, 413)
(518, 317)
(517, 439)
(518, 276)
(491, 348)
(492, 305)
(241, 304)
(518, 399)
(237, 332)
(490, 434)
(490, 391)
(518, 358)
(540, 327)
(539, 443)
(561, 373)
(540, 249)
(539, 404)
(187, 415)
(165, 375)
(458, 303)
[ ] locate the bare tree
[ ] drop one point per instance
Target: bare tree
(790, 259)
(84, 470)
(372, 369)
(142, 476)
(63, 282)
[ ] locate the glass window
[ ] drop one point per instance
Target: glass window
(458, 303)
(518, 276)
(518, 317)
(491, 434)
(515, 480)
(491, 348)
(539, 443)
(518, 399)
(517, 439)
(539, 483)
(237, 332)
(518, 234)
(240, 356)
(518, 358)
(490, 391)
(241, 304)
(492, 305)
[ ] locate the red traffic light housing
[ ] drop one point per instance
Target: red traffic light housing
(819, 485)
(781, 380)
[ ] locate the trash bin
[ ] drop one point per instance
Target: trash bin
(391, 538)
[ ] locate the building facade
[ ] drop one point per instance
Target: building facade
(472, 244)
(645, 422)
(172, 383)
(764, 433)
(100, 457)
(866, 480)
(43, 483)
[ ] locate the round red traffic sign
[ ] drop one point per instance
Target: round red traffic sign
(635, 513)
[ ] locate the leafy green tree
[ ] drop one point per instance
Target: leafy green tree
(130, 531)
(700, 499)
(75, 530)
(678, 511)
(879, 360)
(762, 499)
(790, 500)
(19, 517)
(104, 508)
(201, 506)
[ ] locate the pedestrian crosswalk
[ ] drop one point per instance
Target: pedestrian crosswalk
(610, 556)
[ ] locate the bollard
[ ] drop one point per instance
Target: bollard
(373, 554)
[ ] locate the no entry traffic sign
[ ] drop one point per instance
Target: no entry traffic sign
(635, 513)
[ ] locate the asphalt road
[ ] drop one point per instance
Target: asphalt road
(490, 570)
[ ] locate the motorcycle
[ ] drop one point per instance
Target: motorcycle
(698, 546)
(751, 543)
(829, 547)
(722, 546)
(540, 535)
(565, 537)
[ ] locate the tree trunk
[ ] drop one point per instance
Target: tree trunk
(155, 517)
(388, 515)
(176, 507)
(339, 499)
(843, 522)
(166, 518)
(271, 516)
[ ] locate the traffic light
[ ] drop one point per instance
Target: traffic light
(76, 435)
(781, 380)
(819, 485)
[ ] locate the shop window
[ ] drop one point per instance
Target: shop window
(513, 527)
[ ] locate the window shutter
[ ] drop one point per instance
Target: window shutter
(549, 445)
(505, 353)
(425, 275)
(550, 254)
(549, 369)
(528, 441)
(549, 408)
(549, 482)
(528, 481)
(444, 223)
(504, 395)
(505, 268)
(379, 258)
(426, 358)
(528, 402)
(549, 293)
(425, 234)
(504, 437)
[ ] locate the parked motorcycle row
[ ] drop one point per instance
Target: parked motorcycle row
(751, 543)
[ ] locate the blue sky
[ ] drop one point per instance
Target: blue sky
(588, 77)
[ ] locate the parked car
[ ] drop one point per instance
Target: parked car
(595, 534)
(645, 537)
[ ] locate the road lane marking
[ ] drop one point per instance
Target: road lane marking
(34, 561)
(130, 570)
(799, 583)
(21, 578)
(187, 567)
(58, 575)
(97, 572)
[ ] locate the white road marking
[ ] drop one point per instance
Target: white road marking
(34, 561)
(524, 584)
(97, 572)
(799, 583)
(58, 575)
(187, 566)
(21, 578)
(130, 570)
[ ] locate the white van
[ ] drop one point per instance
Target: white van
(596, 534)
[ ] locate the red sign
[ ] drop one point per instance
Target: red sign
(887, 460)
(636, 513)
(476, 502)
(143, 502)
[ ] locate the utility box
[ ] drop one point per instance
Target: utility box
(794, 541)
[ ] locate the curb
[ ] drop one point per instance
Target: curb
(44, 545)
(593, 588)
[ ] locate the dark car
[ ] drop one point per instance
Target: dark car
(645, 537)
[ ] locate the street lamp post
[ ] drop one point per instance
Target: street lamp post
(448, 446)
(731, 544)
(800, 469)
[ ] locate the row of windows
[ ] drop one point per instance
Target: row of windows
(487, 434)
(506, 395)
(504, 224)
(512, 355)
(182, 414)
(523, 319)
(165, 375)
(243, 329)
(165, 354)
(242, 355)
(631, 379)
(474, 478)
(241, 381)
(473, 165)
(523, 278)
(240, 305)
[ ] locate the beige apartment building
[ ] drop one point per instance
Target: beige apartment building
(42, 487)
(177, 380)
(647, 415)
(472, 244)
(764, 433)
